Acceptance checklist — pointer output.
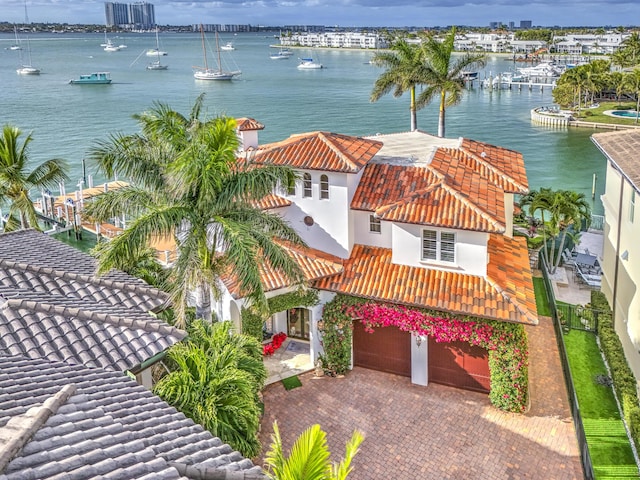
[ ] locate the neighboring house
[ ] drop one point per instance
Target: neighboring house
(55, 308)
(406, 218)
(621, 250)
(68, 421)
(68, 343)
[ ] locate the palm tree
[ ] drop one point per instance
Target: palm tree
(213, 386)
(443, 76)
(188, 184)
(631, 83)
(16, 181)
(309, 457)
(566, 210)
(405, 70)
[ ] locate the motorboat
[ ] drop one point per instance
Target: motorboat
(228, 47)
(544, 69)
(98, 78)
(467, 75)
(207, 73)
(308, 64)
(112, 47)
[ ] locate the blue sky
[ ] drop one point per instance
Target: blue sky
(343, 12)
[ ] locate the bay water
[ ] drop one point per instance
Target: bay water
(66, 120)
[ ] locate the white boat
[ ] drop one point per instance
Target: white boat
(157, 66)
(15, 46)
(308, 64)
(228, 47)
(27, 68)
(156, 52)
(109, 46)
(206, 73)
(281, 55)
(544, 69)
(467, 75)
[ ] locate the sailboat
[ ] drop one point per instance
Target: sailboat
(15, 46)
(282, 54)
(156, 52)
(27, 68)
(206, 73)
(157, 65)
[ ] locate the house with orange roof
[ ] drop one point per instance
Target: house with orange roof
(404, 219)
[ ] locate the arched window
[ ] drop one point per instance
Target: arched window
(306, 180)
(324, 187)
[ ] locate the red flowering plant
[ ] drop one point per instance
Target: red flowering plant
(506, 342)
(276, 342)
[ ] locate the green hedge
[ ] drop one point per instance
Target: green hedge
(624, 381)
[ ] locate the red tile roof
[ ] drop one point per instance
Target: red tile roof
(319, 151)
(500, 166)
(506, 295)
(420, 195)
(314, 263)
(245, 124)
(272, 201)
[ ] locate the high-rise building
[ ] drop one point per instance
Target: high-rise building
(525, 23)
(139, 15)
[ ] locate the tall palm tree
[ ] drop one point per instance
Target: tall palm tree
(405, 69)
(187, 183)
(16, 181)
(309, 457)
(443, 75)
(211, 386)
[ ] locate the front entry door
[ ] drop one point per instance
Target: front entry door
(298, 323)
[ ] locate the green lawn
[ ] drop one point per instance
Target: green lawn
(596, 114)
(611, 454)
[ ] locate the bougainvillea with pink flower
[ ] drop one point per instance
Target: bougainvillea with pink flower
(276, 342)
(506, 342)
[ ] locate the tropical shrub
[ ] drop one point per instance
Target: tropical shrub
(506, 342)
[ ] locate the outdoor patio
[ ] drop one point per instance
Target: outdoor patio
(292, 358)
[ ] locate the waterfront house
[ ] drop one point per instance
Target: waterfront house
(406, 219)
(621, 250)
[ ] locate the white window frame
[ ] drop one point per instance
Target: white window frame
(442, 247)
(632, 206)
(375, 225)
(307, 186)
(324, 187)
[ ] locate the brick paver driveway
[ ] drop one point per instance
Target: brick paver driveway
(414, 432)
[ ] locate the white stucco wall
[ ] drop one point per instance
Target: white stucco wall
(363, 236)
(331, 229)
(471, 249)
(623, 284)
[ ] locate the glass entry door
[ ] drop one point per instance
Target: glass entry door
(298, 323)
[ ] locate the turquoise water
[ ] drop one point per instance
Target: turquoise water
(67, 119)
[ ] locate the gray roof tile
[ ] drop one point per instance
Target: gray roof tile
(100, 431)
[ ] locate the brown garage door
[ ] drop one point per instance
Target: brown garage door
(387, 349)
(460, 365)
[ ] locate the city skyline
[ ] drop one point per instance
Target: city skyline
(343, 13)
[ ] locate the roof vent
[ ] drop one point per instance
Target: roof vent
(308, 221)
(483, 154)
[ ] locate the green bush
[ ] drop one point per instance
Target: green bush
(624, 382)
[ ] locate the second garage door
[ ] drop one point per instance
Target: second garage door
(460, 365)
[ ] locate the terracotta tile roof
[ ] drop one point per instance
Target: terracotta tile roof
(500, 166)
(245, 123)
(623, 149)
(315, 264)
(272, 201)
(319, 151)
(420, 195)
(369, 273)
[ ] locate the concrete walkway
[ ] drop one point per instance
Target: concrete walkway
(292, 358)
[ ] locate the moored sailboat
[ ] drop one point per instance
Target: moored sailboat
(206, 73)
